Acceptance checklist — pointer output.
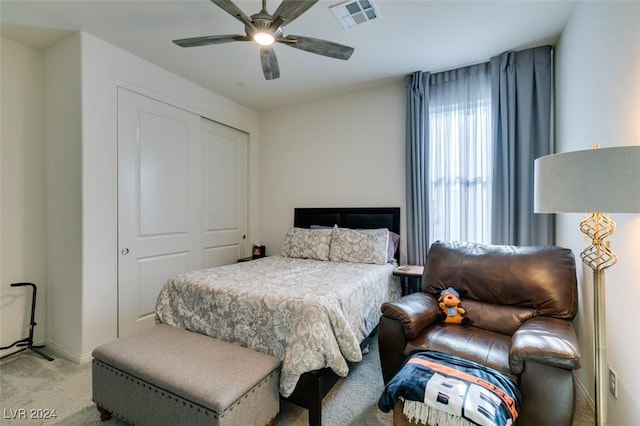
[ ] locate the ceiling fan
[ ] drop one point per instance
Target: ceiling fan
(266, 29)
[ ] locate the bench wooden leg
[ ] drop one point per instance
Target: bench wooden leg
(104, 414)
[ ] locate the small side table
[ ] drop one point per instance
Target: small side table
(406, 271)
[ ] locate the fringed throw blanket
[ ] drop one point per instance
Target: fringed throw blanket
(440, 389)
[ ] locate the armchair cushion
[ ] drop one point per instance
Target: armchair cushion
(503, 319)
(547, 341)
(539, 278)
(474, 344)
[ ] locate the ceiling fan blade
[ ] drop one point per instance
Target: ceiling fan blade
(269, 62)
(206, 40)
(233, 10)
(290, 10)
(318, 46)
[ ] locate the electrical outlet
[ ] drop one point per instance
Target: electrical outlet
(613, 382)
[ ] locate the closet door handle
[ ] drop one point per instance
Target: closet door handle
(125, 251)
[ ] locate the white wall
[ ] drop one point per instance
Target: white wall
(83, 74)
(598, 102)
(22, 205)
(63, 147)
(345, 151)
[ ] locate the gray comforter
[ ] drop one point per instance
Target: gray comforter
(310, 314)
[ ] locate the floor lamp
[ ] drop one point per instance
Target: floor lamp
(592, 181)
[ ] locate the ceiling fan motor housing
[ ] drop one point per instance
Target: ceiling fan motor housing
(262, 23)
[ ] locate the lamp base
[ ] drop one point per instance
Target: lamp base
(600, 355)
(598, 256)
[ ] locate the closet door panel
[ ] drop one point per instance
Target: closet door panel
(225, 159)
(164, 174)
(159, 203)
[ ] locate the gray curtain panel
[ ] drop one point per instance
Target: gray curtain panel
(522, 116)
(522, 109)
(417, 167)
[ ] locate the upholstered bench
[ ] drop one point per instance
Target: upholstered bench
(169, 376)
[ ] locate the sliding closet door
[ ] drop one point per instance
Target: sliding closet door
(225, 160)
(159, 203)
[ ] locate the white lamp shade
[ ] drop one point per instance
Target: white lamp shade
(605, 180)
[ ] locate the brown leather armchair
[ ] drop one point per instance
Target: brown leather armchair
(520, 301)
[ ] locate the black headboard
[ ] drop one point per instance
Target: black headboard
(349, 217)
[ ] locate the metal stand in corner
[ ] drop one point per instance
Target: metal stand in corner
(27, 342)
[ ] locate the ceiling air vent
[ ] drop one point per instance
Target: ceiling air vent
(355, 12)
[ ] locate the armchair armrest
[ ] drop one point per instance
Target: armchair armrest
(546, 340)
(415, 311)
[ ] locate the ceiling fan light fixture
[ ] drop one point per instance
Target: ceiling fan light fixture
(264, 38)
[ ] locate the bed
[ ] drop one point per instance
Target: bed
(313, 306)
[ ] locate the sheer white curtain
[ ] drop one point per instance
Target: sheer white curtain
(460, 154)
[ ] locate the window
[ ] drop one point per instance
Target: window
(460, 155)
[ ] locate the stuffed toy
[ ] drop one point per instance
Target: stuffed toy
(452, 312)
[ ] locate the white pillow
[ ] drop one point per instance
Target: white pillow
(359, 246)
(307, 243)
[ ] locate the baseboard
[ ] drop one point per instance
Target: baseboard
(64, 352)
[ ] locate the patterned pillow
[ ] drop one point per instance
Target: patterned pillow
(359, 246)
(307, 243)
(394, 241)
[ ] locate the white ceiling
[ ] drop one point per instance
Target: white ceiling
(410, 35)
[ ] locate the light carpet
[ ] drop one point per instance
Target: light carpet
(29, 382)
